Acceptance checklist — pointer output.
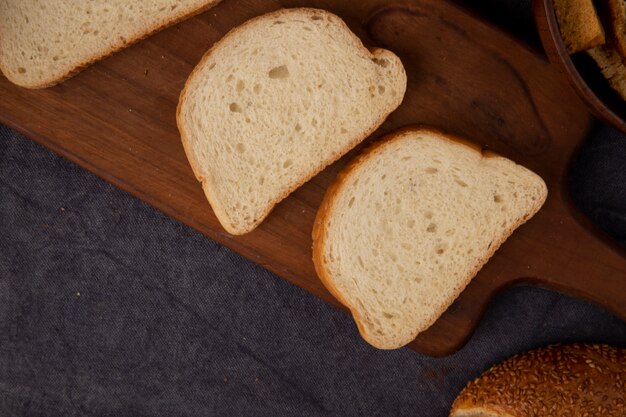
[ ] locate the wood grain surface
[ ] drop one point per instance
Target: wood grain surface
(117, 119)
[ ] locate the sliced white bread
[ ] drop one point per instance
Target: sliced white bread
(579, 24)
(277, 100)
(44, 42)
(408, 223)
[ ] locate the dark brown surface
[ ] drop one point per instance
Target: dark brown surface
(117, 119)
(579, 69)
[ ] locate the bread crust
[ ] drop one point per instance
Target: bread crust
(326, 209)
(207, 183)
(118, 46)
(555, 381)
(617, 25)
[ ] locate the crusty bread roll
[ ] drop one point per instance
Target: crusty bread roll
(556, 381)
(277, 100)
(410, 222)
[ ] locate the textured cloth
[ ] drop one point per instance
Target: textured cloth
(110, 308)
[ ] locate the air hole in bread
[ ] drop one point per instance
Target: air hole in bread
(287, 163)
(432, 228)
(281, 72)
(174, 6)
(381, 61)
(343, 130)
(307, 28)
(316, 17)
(388, 315)
(21, 70)
(351, 202)
(240, 86)
(278, 22)
(235, 108)
(256, 88)
(460, 182)
(381, 89)
(410, 224)
(428, 215)
(431, 170)
(497, 198)
(230, 78)
(240, 148)
(314, 122)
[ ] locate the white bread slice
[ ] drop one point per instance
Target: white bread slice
(579, 24)
(277, 100)
(408, 224)
(45, 42)
(612, 67)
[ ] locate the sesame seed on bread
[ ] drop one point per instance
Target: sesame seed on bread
(555, 381)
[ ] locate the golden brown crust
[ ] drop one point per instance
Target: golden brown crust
(327, 205)
(219, 211)
(617, 25)
(555, 381)
(115, 48)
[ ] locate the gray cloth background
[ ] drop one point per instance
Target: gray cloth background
(110, 308)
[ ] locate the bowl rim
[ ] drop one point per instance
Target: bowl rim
(555, 49)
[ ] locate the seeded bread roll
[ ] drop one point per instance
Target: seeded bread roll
(556, 381)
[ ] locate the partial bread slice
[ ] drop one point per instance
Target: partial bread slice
(612, 67)
(617, 23)
(579, 24)
(406, 226)
(45, 42)
(277, 100)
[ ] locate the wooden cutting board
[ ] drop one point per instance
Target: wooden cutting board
(117, 119)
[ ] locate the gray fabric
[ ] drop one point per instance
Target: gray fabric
(110, 308)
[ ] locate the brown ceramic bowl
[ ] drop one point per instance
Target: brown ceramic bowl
(581, 71)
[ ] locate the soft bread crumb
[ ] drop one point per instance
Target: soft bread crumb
(276, 101)
(407, 225)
